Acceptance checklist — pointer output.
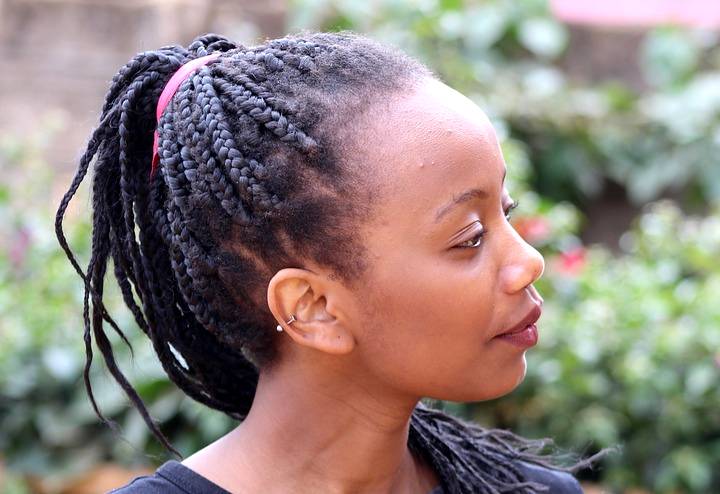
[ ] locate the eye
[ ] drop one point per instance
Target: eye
(510, 208)
(472, 242)
(476, 241)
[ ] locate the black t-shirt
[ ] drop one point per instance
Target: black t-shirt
(172, 477)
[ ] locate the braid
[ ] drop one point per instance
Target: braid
(468, 456)
(252, 178)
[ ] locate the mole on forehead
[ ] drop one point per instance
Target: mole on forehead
(464, 196)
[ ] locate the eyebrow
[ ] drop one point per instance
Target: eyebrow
(463, 197)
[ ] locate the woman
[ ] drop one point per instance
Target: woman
(322, 241)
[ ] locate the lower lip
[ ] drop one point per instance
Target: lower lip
(524, 339)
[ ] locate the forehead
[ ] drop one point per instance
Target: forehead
(429, 145)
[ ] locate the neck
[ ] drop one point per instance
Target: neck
(323, 431)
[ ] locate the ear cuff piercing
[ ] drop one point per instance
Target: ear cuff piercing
(292, 318)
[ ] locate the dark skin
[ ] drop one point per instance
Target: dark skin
(333, 416)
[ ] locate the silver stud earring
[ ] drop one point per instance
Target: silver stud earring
(289, 321)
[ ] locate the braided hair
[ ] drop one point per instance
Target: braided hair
(253, 177)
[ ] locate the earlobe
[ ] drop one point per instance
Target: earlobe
(339, 342)
(325, 336)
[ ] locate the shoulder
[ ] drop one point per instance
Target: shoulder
(560, 482)
(172, 477)
(148, 484)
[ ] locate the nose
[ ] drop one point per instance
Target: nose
(522, 266)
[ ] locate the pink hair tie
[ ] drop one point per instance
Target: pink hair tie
(169, 91)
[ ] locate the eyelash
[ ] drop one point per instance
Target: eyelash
(482, 233)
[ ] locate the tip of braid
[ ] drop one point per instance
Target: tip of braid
(470, 456)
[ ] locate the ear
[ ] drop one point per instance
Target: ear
(305, 294)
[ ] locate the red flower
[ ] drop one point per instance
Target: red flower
(533, 229)
(573, 260)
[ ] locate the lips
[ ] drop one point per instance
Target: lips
(530, 318)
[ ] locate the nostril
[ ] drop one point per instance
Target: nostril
(535, 295)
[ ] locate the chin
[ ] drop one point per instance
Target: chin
(490, 386)
(503, 387)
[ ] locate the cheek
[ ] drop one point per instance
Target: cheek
(428, 322)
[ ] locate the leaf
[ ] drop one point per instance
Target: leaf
(544, 37)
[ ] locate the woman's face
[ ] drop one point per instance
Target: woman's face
(437, 293)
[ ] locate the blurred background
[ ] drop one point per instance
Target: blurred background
(609, 115)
